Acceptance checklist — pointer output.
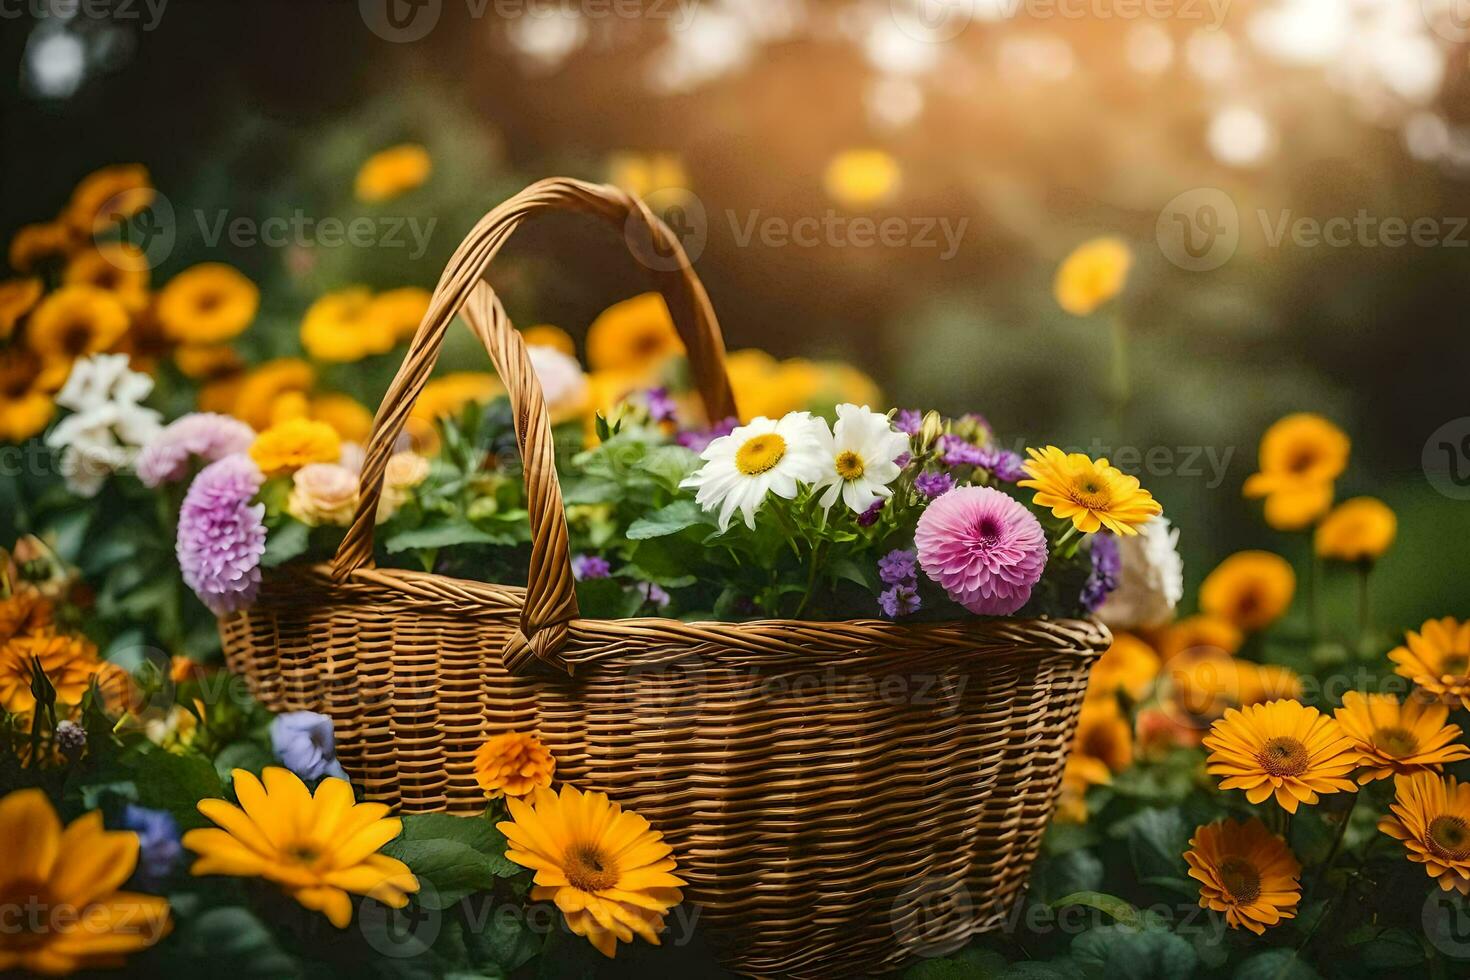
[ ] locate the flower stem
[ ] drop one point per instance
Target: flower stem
(1365, 569)
(1120, 390)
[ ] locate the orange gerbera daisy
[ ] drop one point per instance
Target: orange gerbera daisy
(207, 304)
(38, 245)
(1103, 744)
(73, 322)
(1437, 658)
(1245, 871)
(1129, 665)
(1358, 530)
(1200, 633)
(401, 310)
(1093, 493)
(391, 172)
(609, 872)
(513, 764)
(1094, 273)
(25, 395)
(292, 444)
(1280, 748)
(260, 389)
(1300, 457)
(1432, 817)
(1204, 682)
(117, 267)
(633, 336)
(546, 335)
(17, 298)
(107, 196)
(1251, 589)
(1396, 738)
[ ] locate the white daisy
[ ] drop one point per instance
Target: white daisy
(860, 458)
(759, 458)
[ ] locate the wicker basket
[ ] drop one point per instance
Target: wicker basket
(840, 796)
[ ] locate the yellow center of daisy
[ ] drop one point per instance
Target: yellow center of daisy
(1449, 837)
(1240, 879)
(1091, 493)
(849, 465)
(1283, 756)
(1397, 742)
(1454, 664)
(589, 869)
(760, 453)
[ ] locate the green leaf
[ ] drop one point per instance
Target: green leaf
(606, 598)
(284, 543)
(250, 756)
(1110, 905)
(667, 520)
(1156, 842)
(1275, 964)
(1065, 874)
(234, 936)
(476, 832)
(1121, 951)
(452, 868)
(443, 536)
(590, 490)
(669, 465)
(174, 782)
(502, 937)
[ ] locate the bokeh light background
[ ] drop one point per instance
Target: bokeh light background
(1031, 125)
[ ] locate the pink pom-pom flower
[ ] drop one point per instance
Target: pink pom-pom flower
(165, 459)
(221, 535)
(983, 547)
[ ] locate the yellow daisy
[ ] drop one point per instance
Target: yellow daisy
(634, 335)
(254, 401)
(70, 879)
(1245, 871)
(207, 304)
(513, 764)
(1397, 739)
(341, 327)
(545, 335)
(117, 267)
(1250, 589)
(292, 444)
(1357, 530)
(1094, 494)
(351, 419)
(1432, 817)
(1437, 658)
(107, 196)
(317, 847)
(1200, 632)
(25, 395)
(67, 661)
(1094, 273)
(207, 361)
(17, 298)
(608, 871)
(1300, 457)
(1103, 744)
(401, 310)
(862, 178)
(391, 172)
(1129, 665)
(73, 322)
(1280, 748)
(23, 612)
(39, 245)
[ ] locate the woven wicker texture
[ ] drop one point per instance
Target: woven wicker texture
(841, 797)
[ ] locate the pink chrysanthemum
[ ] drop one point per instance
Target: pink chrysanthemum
(165, 459)
(983, 547)
(221, 537)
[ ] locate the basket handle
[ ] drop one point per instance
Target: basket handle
(551, 599)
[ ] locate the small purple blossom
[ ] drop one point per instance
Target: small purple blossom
(590, 566)
(71, 738)
(901, 600)
(304, 743)
(165, 459)
(159, 849)
(897, 567)
(1107, 565)
(699, 439)
(1002, 464)
(932, 485)
(903, 459)
(869, 517)
(955, 451)
(653, 594)
(660, 405)
(909, 420)
(221, 537)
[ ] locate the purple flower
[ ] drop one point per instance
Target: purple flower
(1107, 565)
(897, 567)
(869, 517)
(590, 566)
(932, 485)
(699, 439)
(653, 595)
(660, 405)
(221, 537)
(901, 600)
(903, 459)
(909, 420)
(955, 451)
(304, 743)
(158, 842)
(1002, 464)
(165, 459)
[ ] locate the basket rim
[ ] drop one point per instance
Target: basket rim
(763, 640)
